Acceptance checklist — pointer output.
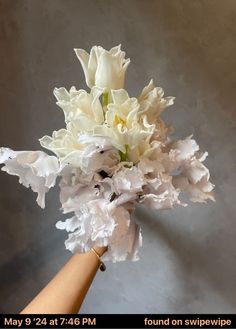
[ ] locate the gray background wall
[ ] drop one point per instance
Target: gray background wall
(188, 259)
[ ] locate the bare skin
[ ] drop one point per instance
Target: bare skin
(66, 291)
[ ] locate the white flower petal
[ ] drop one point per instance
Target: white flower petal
(70, 224)
(152, 102)
(183, 149)
(128, 180)
(35, 169)
(126, 239)
(102, 68)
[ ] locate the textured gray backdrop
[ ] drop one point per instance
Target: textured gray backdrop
(188, 259)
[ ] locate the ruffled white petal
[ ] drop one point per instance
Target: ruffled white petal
(96, 224)
(152, 102)
(128, 180)
(183, 149)
(35, 169)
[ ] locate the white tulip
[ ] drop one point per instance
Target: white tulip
(82, 109)
(152, 101)
(123, 126)
(102, 68)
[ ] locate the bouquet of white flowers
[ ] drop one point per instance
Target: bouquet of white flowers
(114, 152)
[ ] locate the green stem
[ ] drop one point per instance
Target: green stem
(104, 103)
(105, 99)
(124, 155)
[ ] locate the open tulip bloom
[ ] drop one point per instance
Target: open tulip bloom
(113, 152)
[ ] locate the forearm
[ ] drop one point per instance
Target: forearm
(66, 291)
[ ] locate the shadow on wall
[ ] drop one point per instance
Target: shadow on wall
(192, 255)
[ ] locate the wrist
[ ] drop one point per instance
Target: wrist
(100, 250)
